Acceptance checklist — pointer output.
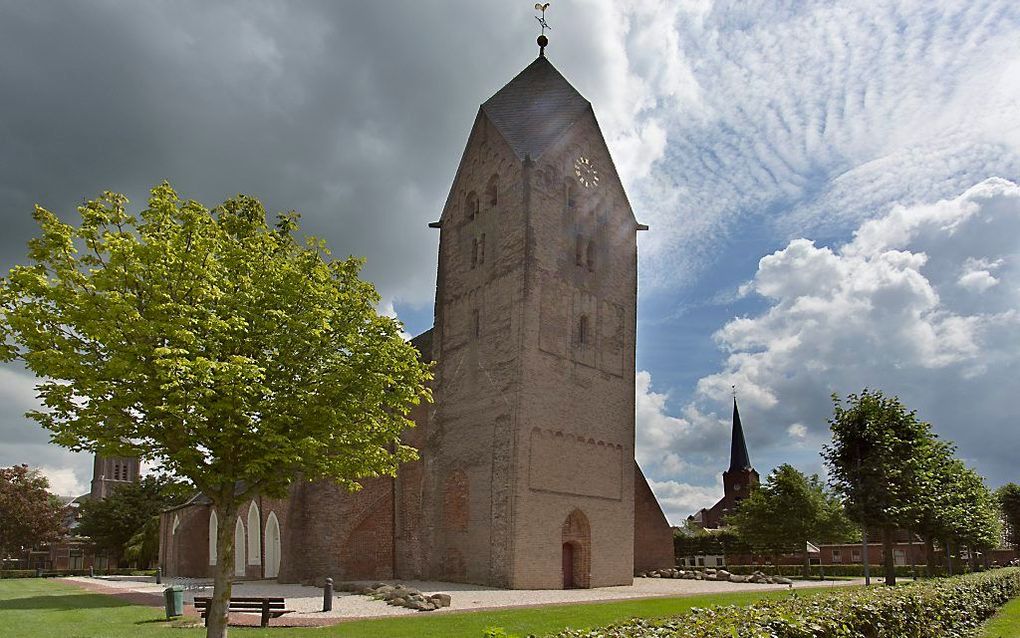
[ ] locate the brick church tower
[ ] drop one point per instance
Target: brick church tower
(526, 477)
(531, 442)
(108, 472)
(738, 481)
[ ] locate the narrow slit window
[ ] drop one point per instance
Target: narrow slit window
(481, 250)
(571, 201)
(477, 322)
(492, 191)
(578, 249)
(471, 205)
(590, 256)
(582, 330)
(474, 252)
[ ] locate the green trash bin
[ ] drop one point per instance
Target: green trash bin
(174, 599)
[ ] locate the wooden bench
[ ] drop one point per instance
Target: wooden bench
(268, 607)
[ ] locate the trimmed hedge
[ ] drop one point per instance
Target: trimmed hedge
(940, 608)
(54, 573)
(795, 571)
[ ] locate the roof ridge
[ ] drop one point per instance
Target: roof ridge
(534, 108)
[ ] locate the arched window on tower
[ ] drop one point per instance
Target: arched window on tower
(590, 256)
(492, 191)
(471, 206)
(571, 194)
(582, 330)
(578, 251)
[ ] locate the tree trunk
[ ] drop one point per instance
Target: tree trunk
(929, 553)
(217, 619)
(887, 555)
(807, 563)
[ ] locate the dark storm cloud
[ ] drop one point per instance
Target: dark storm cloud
(355, 114)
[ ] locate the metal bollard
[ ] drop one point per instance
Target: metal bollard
(327, 595)
(92, 571)
(38, 572)
(159, 575)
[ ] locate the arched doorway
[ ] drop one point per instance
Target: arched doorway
(272, 546)
(239, 548)
(576, 539)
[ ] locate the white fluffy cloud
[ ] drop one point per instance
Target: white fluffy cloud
(680, 500)
(794, 117)
(64, 481)
(907, 306)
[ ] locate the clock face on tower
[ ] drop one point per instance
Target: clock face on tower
(586, 172)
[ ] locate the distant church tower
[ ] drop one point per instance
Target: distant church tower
(109, 471)
(530, 471)
(740, 478)
(738, 481)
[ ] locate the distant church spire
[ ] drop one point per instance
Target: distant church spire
(738, 448)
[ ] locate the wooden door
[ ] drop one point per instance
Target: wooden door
(568, 566)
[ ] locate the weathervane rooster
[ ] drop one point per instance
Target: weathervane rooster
(541, 19)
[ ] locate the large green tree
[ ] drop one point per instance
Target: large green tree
(955, 508)
(113, 522)
(877, 462)
(1008, 497)
(788, 511)
(29, 515)
(223, 348)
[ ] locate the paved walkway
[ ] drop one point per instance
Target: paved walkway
(307, 601)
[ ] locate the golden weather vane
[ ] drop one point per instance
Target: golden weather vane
(541, 19)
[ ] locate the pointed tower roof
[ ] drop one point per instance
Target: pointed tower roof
(738, 448)
(535, 108)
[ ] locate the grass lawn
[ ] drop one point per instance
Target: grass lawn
(1005, 624)
(33, 608)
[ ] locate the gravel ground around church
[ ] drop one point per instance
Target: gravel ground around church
(307, 601)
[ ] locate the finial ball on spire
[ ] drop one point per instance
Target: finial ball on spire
(543, 41)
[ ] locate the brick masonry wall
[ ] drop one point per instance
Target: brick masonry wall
(653, 537)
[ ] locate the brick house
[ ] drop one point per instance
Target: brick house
(527, 477)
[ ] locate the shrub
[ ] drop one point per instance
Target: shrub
(48, 573)
(926, 609)
(795, 571)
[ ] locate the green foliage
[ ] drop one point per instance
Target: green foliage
(1008, 497)
(788, 510)
(876, 459)
(709, 544)
(210, 342)
(131, 508)
(956, 507)
(925, 609)
(226, 350)
(855, 570)
(29, 515)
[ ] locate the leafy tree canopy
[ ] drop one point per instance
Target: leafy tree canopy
(29, 515)
(877, 457)
(787, 511)
(111, 522)
(1008, 497)
(225, 349)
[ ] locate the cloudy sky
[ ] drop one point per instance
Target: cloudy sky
(831, 186)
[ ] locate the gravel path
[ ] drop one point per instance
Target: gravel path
(307, 601)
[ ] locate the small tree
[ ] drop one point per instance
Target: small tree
(788, 511)
(876, 461)
(1008, 497)
(113, 521)
(218, 346)
(29, 515)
